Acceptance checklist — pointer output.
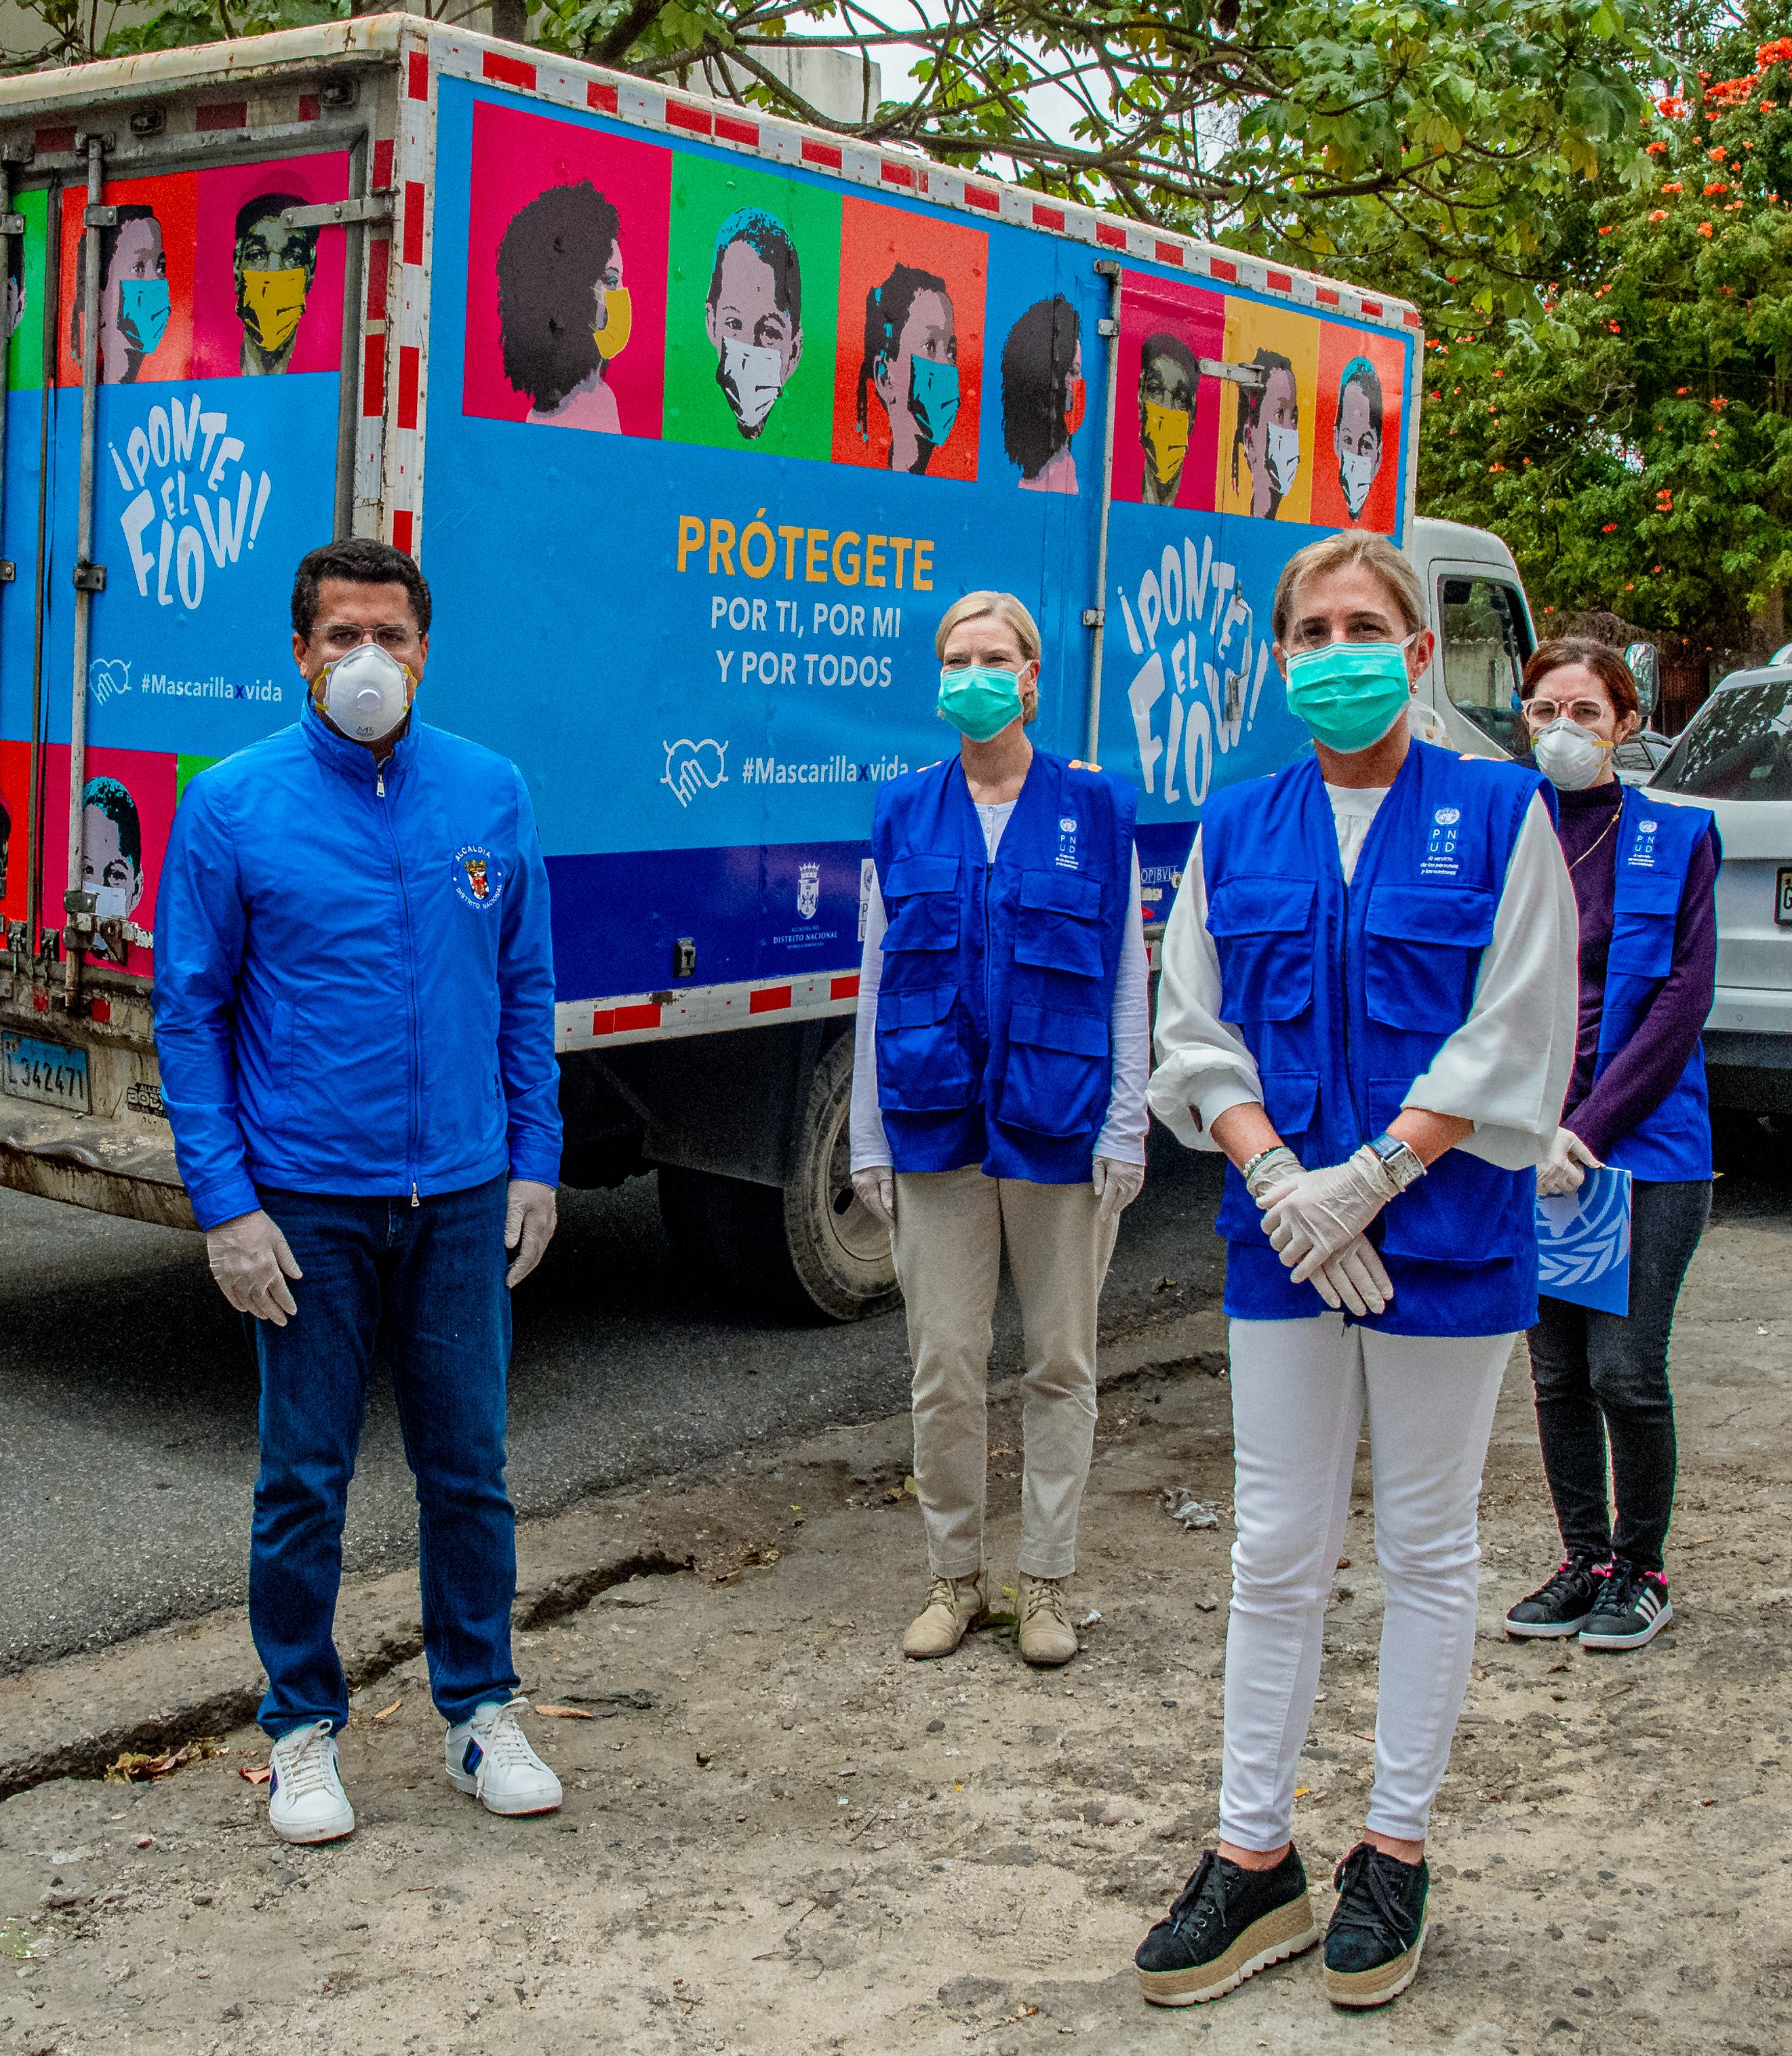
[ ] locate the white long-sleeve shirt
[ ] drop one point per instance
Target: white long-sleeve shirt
(1506, 1068)
(1122, 1135)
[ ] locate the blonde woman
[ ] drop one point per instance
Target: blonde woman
(999, 1098)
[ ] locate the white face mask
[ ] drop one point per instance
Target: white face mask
(366, 693)
(1568, 756)
(1356, 474)
(1281, 449)
(112, 902)
(752, 378)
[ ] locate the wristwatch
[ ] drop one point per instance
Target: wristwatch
(1399, 1160)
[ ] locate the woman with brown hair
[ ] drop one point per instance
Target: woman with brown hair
(1645, 874)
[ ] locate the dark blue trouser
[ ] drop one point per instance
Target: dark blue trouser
(426, 1284)
(1604, 1377)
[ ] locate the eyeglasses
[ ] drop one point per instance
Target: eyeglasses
(1586, 713)
(343, 636)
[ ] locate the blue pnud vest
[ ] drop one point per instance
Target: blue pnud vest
(1345, 994)
(992, 1038)
(1655, 846)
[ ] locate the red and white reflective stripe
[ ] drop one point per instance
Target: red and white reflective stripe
(562, 79)
(702, 1010)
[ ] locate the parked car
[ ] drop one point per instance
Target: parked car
(1735, 756)
(1637, 760)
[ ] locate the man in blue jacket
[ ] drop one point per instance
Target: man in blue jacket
(354, 1015)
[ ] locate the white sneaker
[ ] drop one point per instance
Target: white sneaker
(305, 1802)
(490, 1756)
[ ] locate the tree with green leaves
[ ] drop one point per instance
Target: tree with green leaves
(1633, 441)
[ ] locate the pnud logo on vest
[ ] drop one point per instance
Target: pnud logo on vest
(1067, 842)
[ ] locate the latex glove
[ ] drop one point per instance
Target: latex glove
(1279, 1169)
(530, 1216)
(1117, 1185)
(1566, 1167)
(1354, 1280)
(251, 1262)
(876, 1187)
(1321, 1213)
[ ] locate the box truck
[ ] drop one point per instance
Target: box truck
(696, 420)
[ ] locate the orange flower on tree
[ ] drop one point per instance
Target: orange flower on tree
(1704, 228)
(1655, 149)
(1611, 529)
(1664, 501)
(1709, 189)
(1675, 187)
(1674, 107)
(1660, 214)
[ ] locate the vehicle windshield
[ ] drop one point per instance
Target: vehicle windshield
(1739, 747)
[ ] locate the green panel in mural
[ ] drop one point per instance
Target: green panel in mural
(753, 286)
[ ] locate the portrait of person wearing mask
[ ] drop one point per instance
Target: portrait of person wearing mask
(1268, 432)
(563, 312)
(998, 1098)
(134, 303)
(110, 849)
(1645, 884)
(1356, 433)
(1367, 1008)
(911, 363)
(1169, 385)
(274, 265)
(755, 314)
(1043, 395)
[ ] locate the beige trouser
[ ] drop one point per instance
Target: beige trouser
(950, 1226)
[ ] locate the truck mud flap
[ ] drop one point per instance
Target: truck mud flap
(90, 1161)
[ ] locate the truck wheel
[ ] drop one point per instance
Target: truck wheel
(810, 1247)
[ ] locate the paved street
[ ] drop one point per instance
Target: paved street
(129, 1394)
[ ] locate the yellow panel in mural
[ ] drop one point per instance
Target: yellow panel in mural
(1266, 428)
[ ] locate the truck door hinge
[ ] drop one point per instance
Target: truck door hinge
(100, 217)
(340, 213)
(90, 578)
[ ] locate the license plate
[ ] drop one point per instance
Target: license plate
(1783, 897)
(46, 1072)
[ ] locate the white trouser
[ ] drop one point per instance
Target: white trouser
(1298, 1393)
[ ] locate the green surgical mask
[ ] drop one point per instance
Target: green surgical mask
(978, 701)
(1349, 694)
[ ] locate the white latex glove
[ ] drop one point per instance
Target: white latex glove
(530, 1216)
(1569, 1159)
(1321, 1213)
(251, 1262)
(1117, 1185)
(1354, 1280)
(876, 1187)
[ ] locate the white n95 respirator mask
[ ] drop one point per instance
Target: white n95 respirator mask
(366, 693)
(1568, 756)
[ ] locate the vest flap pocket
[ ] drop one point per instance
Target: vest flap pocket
(920, 1009)
(1260, 907)
(1642, 943)
(1057, 925)
(1422, 952)
(1461, 915)
(1080, 1034)
(1646, 892)
(1463, 1211)
(1289, 1098)
(922, 1064)
(921, 874)
(1059, 1077)
(1062, 893)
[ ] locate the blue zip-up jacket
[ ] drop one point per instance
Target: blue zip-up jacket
(354, 982)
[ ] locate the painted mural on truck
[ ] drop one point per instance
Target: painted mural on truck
(218, 341)
(821, 415)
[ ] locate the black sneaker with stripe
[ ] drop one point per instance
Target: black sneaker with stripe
(1226, 1923)
(1561, 1605)
(1633, 1608)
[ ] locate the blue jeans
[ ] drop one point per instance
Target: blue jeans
(426, 1284)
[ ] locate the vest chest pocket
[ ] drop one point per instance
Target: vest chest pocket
(1645, 908)
(1263, 929)
(923, 1065)
(1057, 926)
(1059, 1073)
(924, 893)
(1422, 951)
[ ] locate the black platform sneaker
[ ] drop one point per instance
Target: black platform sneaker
(1633, 1608)
(1378, 1927)
(1560, 1606)
(1226, 1924)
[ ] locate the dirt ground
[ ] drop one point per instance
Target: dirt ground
(779, 1836)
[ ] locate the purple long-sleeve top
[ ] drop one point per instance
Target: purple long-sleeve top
(1641, 1073)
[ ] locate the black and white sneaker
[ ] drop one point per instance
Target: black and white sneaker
(1633, 1608)
(1561, 1606)
(1377, 1927)
(1226, 1924)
